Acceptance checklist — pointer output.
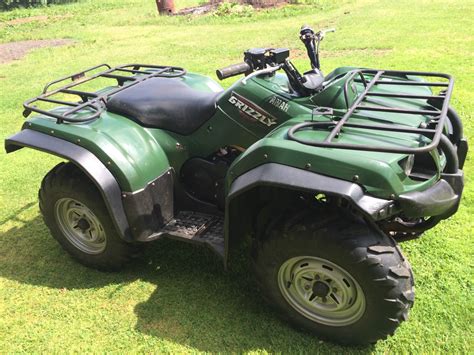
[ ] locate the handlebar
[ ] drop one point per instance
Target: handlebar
(232, 70)
(259, 61)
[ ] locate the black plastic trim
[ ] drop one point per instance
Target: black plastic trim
(87, 162)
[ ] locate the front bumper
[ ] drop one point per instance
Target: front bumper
(442, 199)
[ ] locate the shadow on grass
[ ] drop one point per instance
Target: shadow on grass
(196, 303)
(14, 215)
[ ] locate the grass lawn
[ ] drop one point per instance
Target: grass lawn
(178, 298)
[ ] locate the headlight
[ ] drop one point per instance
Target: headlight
(407, 164)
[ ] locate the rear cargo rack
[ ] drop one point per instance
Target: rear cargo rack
(92, 104)
(371, 78)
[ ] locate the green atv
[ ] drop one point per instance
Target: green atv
(317, 177)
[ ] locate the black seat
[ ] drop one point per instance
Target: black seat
(165, 103)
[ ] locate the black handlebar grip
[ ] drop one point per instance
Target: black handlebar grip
(232, 70)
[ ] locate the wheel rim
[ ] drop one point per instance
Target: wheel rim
(80, 226)
(321, 291)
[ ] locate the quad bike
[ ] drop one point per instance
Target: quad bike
(319, 176)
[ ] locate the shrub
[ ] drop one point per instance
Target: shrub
(233, 9)
(10, 4)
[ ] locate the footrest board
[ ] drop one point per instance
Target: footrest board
(197, 228)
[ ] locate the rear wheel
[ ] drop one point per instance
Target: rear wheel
(341, 281)
(78, 219)
(80, 226)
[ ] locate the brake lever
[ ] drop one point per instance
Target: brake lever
(322, 33)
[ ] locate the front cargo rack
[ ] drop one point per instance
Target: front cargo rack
(371, 78)
(92, 104)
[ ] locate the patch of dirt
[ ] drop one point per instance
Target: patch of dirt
(17, 50)
(263, 4)
(20, 21)
(300, 53)
(196, 10)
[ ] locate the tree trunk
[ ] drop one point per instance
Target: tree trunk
(165, 7)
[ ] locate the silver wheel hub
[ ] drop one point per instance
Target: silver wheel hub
(80, 226)
(321, 291)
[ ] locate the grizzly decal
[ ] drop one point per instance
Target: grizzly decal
(251, 110)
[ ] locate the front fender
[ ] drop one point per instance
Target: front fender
(291, 178)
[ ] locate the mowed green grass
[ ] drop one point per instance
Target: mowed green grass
(178, 298)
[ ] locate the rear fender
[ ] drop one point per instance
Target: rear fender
(132, 154)
(138, 214)
(87, 162)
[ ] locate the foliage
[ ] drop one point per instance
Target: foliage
(177, 298)
(233, 9)
(9, 4)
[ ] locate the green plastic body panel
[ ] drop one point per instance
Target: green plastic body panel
(379, 173)
(137, 155)
(130, 152)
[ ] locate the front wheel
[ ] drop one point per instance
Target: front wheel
(342, 281)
